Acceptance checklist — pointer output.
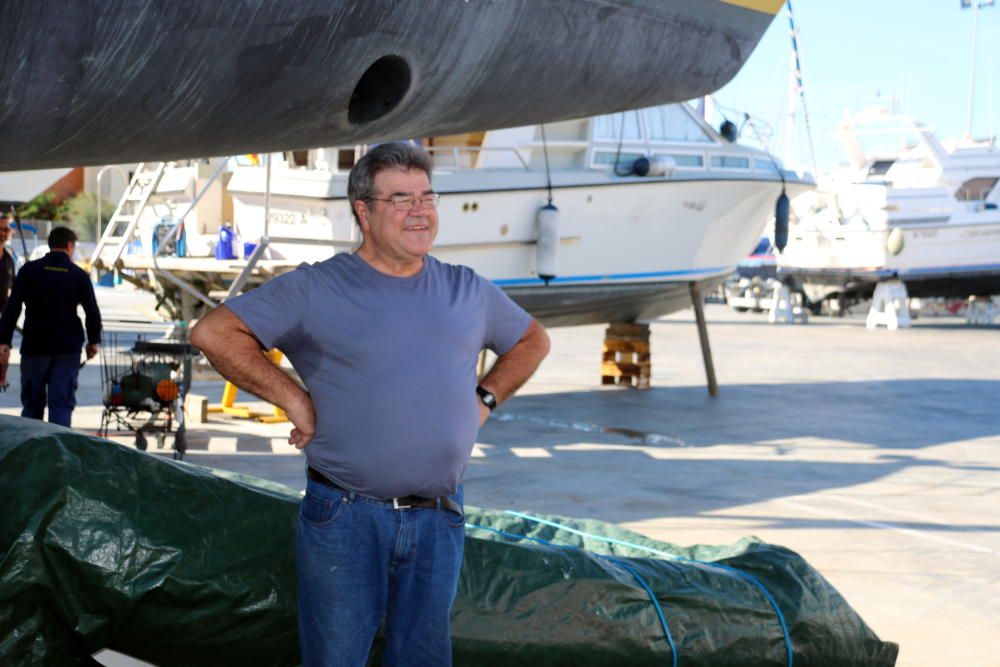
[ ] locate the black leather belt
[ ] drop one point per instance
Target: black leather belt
(404, 502)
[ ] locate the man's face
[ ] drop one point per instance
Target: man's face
(403, 235)
(4, 231)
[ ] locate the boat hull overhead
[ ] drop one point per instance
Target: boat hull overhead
(130, 80)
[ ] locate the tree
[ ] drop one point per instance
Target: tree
(80, 214)
(43, 207)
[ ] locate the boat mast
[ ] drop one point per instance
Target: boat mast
(975, 5)
(795, 84)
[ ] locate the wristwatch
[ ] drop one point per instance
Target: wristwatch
(487, 397)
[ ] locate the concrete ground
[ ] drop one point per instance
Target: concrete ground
(874, 454)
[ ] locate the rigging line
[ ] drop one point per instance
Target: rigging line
(753, 121)
(781, 172)
(548, 174)
(621, 138)
(798, 84)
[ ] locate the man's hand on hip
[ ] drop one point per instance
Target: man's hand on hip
(302, 414)
(236, 353)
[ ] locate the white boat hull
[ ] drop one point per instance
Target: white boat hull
(628, 249)
(955, 259)
(908, 208)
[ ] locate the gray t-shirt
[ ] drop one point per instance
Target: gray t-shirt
(390, 364)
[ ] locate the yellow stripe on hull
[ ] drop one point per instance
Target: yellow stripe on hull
(767, 6)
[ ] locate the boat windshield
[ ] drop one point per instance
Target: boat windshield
(880, 167)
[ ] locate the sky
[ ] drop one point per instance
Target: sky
(855, 54)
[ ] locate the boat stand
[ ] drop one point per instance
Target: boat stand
(625, 358)
(982, 310)
(889, 307)
(786, 307)
(697, 302)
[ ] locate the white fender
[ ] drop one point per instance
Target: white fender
(547, 248)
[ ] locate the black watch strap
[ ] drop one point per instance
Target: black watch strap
(487, 397)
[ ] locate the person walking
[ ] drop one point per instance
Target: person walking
(7, 267)
(386, 341)
(50, 289)
(7, 271)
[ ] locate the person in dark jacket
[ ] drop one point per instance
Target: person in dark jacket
(50, 289)
(6, 261)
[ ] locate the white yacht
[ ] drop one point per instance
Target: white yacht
(628, 237)
(908, 207)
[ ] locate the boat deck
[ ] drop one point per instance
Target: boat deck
(182, 265)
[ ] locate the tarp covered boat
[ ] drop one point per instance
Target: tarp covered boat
(103, 546)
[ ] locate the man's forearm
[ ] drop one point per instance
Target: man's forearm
(249, 368)
(513, 369)
(237, 356)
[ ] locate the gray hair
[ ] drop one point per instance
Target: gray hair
(396, 155)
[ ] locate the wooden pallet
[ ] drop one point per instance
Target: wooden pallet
(626, 359)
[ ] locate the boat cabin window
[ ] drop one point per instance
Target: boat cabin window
(686, 160)
(607, 159)
(730, 162)
(610, 127)
(673, 123)
(975, 189)
(880, 167)
(765, 166)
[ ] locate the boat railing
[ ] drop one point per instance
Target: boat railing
(457, 152)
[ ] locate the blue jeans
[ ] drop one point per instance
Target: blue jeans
(359, 561)
(52, 379)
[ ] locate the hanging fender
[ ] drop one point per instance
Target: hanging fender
(781, 211)
(547, 246)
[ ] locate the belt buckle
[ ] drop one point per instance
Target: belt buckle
(397, 506)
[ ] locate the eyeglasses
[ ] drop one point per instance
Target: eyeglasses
(409, 202)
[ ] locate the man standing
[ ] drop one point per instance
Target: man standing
(50, 289)
(6, 262)
(386, 341)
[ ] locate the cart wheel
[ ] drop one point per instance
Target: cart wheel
(160, 439)
(140, 441)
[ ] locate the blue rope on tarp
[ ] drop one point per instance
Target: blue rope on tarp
(789, 648)
(625, 566)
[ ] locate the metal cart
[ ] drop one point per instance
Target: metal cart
(143, 387)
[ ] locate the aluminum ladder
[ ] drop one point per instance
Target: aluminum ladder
(122, 225)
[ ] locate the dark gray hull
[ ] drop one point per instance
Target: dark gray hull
(89, 82)
(572, 305)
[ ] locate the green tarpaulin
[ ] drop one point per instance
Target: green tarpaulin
(102, 546)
